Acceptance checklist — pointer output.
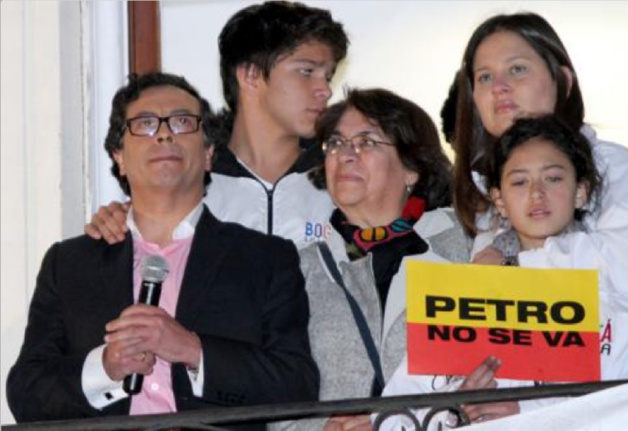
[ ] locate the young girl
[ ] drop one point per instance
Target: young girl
(540, 175)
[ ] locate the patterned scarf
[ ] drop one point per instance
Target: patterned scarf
(360, 241)
(388, 244)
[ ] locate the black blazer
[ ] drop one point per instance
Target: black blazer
(242, 293)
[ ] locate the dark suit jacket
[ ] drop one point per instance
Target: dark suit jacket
(242, 293)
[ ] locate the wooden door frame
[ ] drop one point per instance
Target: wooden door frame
(144, 37)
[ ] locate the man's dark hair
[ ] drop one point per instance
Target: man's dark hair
(130, 93)
(566, 140)
(410, 129)
(259, 35)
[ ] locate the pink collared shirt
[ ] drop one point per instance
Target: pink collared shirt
(156, 395)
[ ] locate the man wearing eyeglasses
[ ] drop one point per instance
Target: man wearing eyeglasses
(231, 325)
(277, 60)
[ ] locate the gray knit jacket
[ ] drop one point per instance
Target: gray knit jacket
(345, 368)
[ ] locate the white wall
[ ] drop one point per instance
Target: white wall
(414, 47)
(48, 102)
(106, 58)
(31, 165)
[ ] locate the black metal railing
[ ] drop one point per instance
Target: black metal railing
(219, 418)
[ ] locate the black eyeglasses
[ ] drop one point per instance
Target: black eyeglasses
(179, 124)
(359, 144)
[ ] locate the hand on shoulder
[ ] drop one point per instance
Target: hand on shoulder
(109, 222)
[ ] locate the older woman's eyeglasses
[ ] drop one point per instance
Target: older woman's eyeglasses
(359, 144)
(148, 125)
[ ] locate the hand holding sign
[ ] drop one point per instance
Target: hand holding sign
(483, 377)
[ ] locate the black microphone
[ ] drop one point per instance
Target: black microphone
(154, 272)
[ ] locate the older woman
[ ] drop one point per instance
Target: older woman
(390, 180)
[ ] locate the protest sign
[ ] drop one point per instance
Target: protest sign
(541, 323)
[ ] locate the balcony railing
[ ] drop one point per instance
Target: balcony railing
(220, 418)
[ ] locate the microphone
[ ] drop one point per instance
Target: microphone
(154, 272)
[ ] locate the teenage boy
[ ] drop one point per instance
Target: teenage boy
(277, 60)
